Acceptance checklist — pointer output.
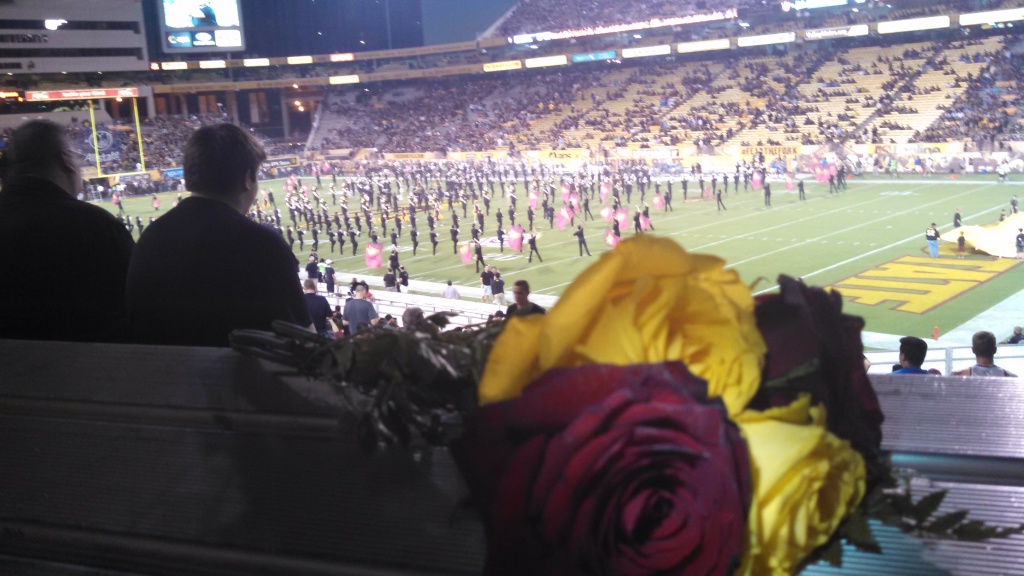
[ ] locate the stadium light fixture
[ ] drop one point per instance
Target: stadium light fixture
(913, 24)
(992, 17)
(53, 23)
(703, 45)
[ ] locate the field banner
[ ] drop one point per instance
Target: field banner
(610, 238)
(995, 239)
(918, 149)
(515, 238)
(769, 151)
(567, 154)
(147, 176)
(280, 162)
(172, 173)
(503, 66)
(655, 153)
(80, 94)
(407, 156)
(466, 252)
(478, 155)
(373, 255)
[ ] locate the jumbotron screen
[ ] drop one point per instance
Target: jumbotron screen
(201, 26)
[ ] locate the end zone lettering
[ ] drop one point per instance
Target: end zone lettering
(919, 284)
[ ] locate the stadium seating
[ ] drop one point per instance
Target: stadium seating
(860, 94)
(812, 94)
(927, 94)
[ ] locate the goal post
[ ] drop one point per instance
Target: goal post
(99, 141)
(97, 149)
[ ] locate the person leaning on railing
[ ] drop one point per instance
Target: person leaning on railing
(1018, 336)
(983, 345)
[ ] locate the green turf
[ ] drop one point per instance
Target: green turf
(825, 240)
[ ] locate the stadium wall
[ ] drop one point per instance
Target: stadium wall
(55, 36)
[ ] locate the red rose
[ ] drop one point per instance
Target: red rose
(813, 347)
(609, 470)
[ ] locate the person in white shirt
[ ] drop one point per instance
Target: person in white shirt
(450, 291)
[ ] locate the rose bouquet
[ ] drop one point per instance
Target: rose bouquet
(630, 431)
(658, 420)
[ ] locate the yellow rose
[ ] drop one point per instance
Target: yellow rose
(647, 301)
(805, 482)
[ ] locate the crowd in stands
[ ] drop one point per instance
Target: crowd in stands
(532, 16)
(987, 110)
(650, 103)
(442, 115)
(452, 114)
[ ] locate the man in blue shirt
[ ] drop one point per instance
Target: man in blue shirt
(912, 353)
(359, 312)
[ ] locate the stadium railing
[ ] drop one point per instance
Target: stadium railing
(947, 360)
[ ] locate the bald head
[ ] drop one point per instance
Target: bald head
(39, 148)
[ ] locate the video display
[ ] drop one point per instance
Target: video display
(201, 26)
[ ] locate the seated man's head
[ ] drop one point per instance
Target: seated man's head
(221, 162)
(521, 293)
(40, 149)
(912, 351)
(309, 285)
(983, 345)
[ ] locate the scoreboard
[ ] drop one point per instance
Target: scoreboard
(200, 26)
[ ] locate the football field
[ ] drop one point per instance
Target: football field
(867, 242)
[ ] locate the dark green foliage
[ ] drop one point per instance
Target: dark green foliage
(418, 382)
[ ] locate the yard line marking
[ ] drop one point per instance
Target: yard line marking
(722, 239)
(820, 240)
(785, 224)
(844, 230)
(875, 251)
